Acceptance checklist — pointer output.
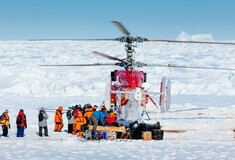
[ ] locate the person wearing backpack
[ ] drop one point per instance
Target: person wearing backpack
(21, 123)
(42, 122)
(70, 118)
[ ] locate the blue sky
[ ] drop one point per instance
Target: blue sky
(163, 19)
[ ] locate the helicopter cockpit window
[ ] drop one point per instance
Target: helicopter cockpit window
(123, 82)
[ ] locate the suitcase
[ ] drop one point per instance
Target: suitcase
(157, 134)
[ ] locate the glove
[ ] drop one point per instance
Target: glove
(9, 126)
(25, 127)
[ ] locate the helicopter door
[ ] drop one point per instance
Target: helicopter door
(165, 95)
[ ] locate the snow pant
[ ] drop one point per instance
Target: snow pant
(20, 131)
(58, 126)
(70, 128)
(45, 131)
(4, 130)
(94, 122)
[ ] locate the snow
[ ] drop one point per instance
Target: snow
(203, 101)
(184, 36)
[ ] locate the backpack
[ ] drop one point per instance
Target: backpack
(19, 119)
(69, 114)
(40, 117)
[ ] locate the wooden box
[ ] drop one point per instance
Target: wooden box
(147, 135)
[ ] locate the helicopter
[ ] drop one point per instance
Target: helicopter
(124, 90)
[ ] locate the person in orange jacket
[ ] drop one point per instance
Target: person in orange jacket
(90, 118)
(88, 113)
(78, 124)
(58, 119)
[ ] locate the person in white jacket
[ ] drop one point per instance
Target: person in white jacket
(42, 122)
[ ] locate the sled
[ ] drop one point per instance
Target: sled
(109, 128)
(174, 131)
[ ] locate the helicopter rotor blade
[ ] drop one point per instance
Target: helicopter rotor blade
(192, 67)
(103, 39)
(110, 57)
(199, 42)
(121, 27)
(80, 65)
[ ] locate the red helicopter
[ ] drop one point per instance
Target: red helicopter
(124, 92)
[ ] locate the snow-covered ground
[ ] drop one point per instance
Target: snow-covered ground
(203, 101)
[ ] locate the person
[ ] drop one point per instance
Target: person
(111, 119)
(78, 124)
(88, 113)
(58, 119)
(5, 123)
(70, 118)
(100, 115)
(91, 119)
(76, 109)
(42, 122)
(95, 107)
(21, 123)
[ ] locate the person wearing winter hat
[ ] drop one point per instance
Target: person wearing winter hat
(70, 118)
(42, 122)
(111, 119)
(58, 119)
(21, 123)
(78, 124)
(5, 123)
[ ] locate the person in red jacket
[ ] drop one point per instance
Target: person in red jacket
(58, 119)
(21, 123)
(111, 119)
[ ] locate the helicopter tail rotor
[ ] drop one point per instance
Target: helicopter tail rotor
(165, 95)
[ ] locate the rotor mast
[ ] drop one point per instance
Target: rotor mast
(129, 47)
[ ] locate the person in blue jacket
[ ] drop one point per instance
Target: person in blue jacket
(100, 115)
